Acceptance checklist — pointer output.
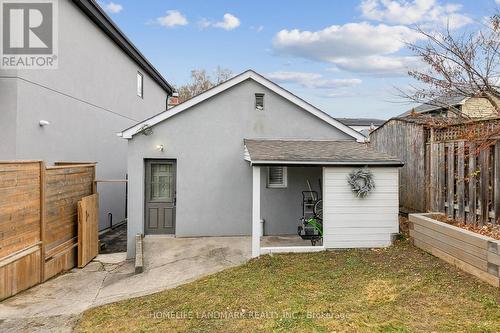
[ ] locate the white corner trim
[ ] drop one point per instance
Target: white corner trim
(255, 211)
(249, 74)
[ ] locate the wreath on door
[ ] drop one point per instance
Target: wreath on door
(361, 181)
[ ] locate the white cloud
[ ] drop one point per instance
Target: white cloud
(312, 80)
(357, 47)
(173, 18)
(497, 2)
(379, 65)
(349, 40)
(421, 12)
(112, 7)
(229, 22)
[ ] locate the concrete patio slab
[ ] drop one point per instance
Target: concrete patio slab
(111, 258)
(56, 305)
(283, 240)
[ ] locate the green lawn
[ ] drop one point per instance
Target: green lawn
(399, 289)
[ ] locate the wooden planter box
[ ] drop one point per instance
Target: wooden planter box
(471, 252)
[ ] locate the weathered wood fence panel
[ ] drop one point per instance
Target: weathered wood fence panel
(450, 177)
(410, 148)
(471, 189)
(38, 221)
(88, 225)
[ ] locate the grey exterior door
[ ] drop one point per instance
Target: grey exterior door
(160, 197)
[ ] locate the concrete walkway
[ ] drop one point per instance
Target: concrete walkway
(56, 305)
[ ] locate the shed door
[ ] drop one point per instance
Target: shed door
(160, 197)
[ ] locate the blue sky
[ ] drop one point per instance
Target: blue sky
(345, 57)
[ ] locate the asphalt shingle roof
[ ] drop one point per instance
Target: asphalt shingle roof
(361, 121)
(436, 104)
(315, 151)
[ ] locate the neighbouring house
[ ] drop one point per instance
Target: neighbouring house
(234, 161)
(362, 125)
(103, 84)
(472, 107)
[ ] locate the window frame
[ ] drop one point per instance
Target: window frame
(284, 183)
(260, 95)
(141, 77)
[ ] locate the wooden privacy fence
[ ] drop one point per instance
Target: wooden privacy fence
(464, 181)
(453, 169)
(406, 141)
(39, 220)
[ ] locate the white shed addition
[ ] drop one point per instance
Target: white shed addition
(353, 222)
(348, 219)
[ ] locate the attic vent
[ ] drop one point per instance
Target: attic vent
(259, 102)
(277, 177)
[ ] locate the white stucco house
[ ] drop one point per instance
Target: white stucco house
(237, 160)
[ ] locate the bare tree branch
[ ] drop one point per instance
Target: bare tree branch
(201, 82)
(457, 65)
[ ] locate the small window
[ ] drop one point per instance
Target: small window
(140, 85)
(259, 102)
(276, 177)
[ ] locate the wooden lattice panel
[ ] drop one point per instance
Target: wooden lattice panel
(470, 131)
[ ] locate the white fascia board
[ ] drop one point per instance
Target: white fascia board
(130, 132)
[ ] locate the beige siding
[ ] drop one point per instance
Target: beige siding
(478, 108)
(352, 222)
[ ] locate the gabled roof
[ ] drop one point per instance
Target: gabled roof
(104, 22)
(436, 104)
(247, 75)
(314, 152)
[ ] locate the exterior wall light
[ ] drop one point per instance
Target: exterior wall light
(159, 147)
(43, 123)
